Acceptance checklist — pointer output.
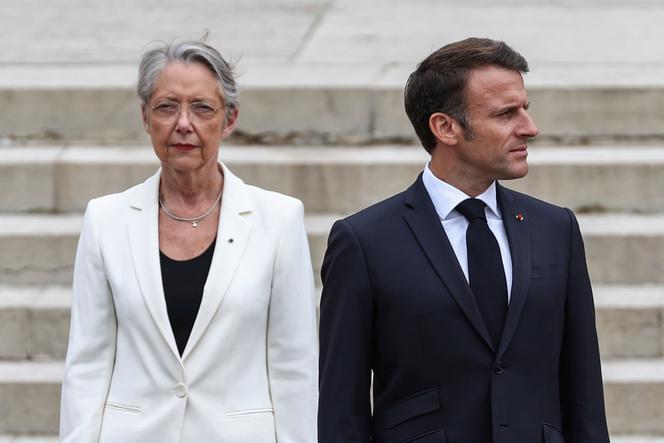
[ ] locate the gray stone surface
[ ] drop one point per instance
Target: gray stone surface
(34, 322)
(30, 397)
(330, 72)
(630, 320)
(26, 179)
(335, 179)
(35, 439)
(15, 332)
(38, 249)
(634, 393)
(327, 69)
(95, 31)
(632, 333)
(30, 394)
(548, 31)
(621, 249)
(362, 113)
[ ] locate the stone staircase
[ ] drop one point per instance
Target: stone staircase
(322, 119)
(45, 189)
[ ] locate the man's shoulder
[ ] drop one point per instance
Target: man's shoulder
(378, 213)
(534, 207)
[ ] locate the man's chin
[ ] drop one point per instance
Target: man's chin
(515, 173)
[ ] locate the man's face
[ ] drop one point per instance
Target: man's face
(496, 103)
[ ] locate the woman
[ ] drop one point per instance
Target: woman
(193, 310)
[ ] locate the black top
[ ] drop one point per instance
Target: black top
(183, 282)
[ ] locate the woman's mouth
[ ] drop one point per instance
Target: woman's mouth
(183, 146)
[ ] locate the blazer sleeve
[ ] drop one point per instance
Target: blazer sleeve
(91, 350)
(582, 397)
(292, 351)
(346, 325)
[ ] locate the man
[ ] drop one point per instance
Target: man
(471, 303)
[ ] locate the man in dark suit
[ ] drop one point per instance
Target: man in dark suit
(471, 303)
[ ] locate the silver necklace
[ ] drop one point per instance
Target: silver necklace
(193, 220)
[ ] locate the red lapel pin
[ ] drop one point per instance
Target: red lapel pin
(519, 217)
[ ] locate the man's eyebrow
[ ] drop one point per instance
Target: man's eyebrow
(509, 106)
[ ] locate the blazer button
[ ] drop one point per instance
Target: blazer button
(181, 390)
(498, 368)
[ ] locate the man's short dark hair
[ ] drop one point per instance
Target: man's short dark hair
(439, 82)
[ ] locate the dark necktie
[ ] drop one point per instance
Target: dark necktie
(485, 268)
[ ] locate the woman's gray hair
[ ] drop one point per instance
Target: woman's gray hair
(154, 61)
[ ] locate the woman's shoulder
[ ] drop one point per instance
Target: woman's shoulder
(113, 205)
(274, 202)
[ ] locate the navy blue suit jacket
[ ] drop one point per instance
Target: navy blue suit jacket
(395, 302)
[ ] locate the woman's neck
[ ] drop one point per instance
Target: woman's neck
(190, 190)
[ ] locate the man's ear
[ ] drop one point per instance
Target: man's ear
(144, 116)
(229, 124)
(444, 128)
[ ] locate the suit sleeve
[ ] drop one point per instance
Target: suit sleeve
(292, 350)
(346, 331)
(91, 350)
(582, 397)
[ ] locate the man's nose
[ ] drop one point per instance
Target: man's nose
(528, 128)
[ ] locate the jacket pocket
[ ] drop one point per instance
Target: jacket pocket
(437, 436)
(411, 407)
(123, 407)
(547, 271)
(551, 434)
(250, 412)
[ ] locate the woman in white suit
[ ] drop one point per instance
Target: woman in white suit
(193, 309)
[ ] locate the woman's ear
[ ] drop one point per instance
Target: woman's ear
(229, 122)
(144, 116)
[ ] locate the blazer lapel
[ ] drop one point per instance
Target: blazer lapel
(518, 236)
(232, 237)
(143, 231)
(423, 221)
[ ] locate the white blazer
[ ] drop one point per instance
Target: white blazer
(249, 371)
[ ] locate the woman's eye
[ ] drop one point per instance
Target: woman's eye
(202, 108)
(166, 108)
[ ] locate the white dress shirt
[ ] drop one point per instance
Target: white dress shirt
(445, 198)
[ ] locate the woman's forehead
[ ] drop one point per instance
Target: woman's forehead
(187, 80)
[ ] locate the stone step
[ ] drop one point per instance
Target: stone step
(636, 439)
(30, 397)
(46, 439)
(621, 249)
(634, 396)
(332, 179)
(34, 321)
(634, 391)
(40, 248)
(33, 439)
(331, 101)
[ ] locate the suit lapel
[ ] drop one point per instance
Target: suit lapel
(232, 237)
(143, 231)
(423, 221)
(518, 236)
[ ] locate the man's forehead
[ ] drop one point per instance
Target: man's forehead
(493, 83)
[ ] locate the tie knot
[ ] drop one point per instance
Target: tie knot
(472, 208)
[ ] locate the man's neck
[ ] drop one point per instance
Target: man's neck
(471, 186)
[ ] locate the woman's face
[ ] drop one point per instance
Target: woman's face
(186, 118)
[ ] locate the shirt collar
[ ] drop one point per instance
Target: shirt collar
(446, 197)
